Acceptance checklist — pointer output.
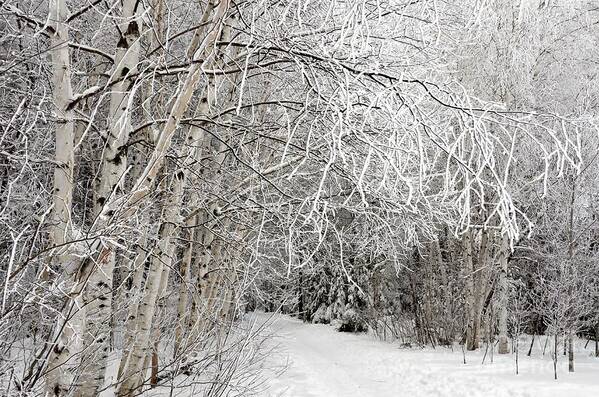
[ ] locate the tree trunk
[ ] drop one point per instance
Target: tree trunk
(570, 352)
(571, 258)
(503, 295)
(185, 276)
(218, 276)
(154, 373)
(517, 350)
(532, 342)
(133, 374)
(98, 292)
(469, 291)
(479, 280)
(437, 257)
(429, 295)
(555, 356)
(138, 268)
(62, 96)
(68, 336)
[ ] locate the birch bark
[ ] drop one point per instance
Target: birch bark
(98, 291)
(67, 338)
(185, 276)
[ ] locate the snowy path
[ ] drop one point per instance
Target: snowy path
(324, 363)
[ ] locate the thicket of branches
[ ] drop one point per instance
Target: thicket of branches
(516, 253)
(166, 165)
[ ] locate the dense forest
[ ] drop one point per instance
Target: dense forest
(425, 171)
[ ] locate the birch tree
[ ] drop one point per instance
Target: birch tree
(69, 333)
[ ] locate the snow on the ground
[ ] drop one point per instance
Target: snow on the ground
(320, 362)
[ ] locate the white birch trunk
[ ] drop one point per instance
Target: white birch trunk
(133, 299)
(98, 291)
(69, 330)
(185, 277)
(134, 372)
(201, 263)
(65, 125)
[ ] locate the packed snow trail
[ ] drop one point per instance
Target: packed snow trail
(321, 362)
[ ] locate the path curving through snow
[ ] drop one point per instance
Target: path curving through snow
(321, 362)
